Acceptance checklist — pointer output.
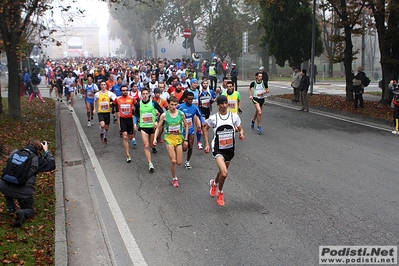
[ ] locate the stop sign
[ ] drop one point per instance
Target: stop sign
(186, 33)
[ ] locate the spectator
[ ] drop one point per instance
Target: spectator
(303, 88)
(24, 194)
(393, 86)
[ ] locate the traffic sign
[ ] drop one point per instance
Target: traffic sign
(186, 33)
(163, 50)
(186, 44)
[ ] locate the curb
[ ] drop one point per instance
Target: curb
(337, 112)
(61, 249)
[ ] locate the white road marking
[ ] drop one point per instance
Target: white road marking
(128, 239)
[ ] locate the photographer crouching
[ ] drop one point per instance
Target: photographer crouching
(19, 177)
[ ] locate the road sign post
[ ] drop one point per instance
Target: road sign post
(186, 35)
(163, 50)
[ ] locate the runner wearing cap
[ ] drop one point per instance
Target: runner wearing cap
(224, 125)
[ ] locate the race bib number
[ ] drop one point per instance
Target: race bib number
(147, 118)
(189, 122)
(226, 141)
(104, 106)
(90, 95)
(125, 109)
(174, 130)
(259, 93)
(231, 104)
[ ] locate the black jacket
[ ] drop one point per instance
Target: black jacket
(39, 164)
(305, 83)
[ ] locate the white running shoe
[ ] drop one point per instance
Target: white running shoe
(187, 165)
(88, 124)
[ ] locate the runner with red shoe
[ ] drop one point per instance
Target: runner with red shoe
(224, 124)
(174, 121)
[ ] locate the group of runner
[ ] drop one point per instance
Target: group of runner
(152, 99)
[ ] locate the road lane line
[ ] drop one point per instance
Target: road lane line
(130, 243)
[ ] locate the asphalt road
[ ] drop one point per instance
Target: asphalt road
(309, 180)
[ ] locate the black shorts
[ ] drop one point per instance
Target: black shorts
(126, 125)
(258, 100)
(206, 112)
(227, 155)
(148, 130)
(60, 89)
(106, 117)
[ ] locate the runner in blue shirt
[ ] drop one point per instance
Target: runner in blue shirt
(190, 111)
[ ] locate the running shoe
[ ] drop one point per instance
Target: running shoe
(160, 140)
(175, 182)
(134, 142)
(102, 137)
(212, 191)
(259, 129)
(220, 199)
(128, 159)
(199, 146)
(395, 132)
(105, 141)
(154, 150)
(151, 167)
(88, 124)
(187, 165)
(252, 124)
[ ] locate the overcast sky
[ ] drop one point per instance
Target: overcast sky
(95, 10)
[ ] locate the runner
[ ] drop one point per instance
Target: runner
(206, 98)
(102, 106)
(224, 124)
(89, 91)
(145, 113)
(136, 94)
(174, 121)
(257, 91)
(164, 105)
(70, 86)
(233, 97)
(124, 105)
(190, 111)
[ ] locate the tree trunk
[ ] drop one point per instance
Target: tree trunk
(348, 63)
(1, 102)
(14, 98)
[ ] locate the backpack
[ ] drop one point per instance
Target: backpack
(366, 81)
(34, 79)
(17, 167)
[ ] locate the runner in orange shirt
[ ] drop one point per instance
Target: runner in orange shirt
(111, 81)
(124, 105)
